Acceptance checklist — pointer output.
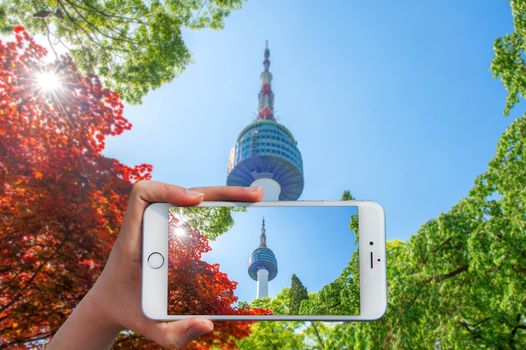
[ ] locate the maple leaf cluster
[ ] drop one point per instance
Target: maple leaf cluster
(61, 200)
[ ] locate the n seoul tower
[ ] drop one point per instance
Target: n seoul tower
(262, 265)
(266, 153)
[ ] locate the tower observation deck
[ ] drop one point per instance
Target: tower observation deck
(266, 153)
(262, 265)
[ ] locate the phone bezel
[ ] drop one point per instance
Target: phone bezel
(373, 284)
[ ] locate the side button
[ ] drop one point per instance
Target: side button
(155, 260)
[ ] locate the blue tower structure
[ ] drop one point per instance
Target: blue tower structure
(262, 265)
(266, 154)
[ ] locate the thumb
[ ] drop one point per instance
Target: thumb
(175, 335)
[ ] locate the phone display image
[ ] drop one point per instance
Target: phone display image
(299, 261)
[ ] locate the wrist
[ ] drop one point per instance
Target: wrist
(94, 309)
(88, 327)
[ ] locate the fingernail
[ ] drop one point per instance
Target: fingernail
(201, 327)
(254, 188)
(195, 194)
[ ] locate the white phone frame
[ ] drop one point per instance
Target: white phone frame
(373, 279)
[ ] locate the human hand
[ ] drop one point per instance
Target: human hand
(114, 302)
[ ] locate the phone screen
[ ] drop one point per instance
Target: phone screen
(263, 261)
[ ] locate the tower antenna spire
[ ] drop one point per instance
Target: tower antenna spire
(266, 96)
(263, 235)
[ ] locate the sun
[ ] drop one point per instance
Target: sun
(48, 81)
(180, 232)
(178, 225)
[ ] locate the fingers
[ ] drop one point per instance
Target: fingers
(146, 192)
(231, 193)
(175, 335)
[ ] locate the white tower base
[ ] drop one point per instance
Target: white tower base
(271, 188)
(262, 283)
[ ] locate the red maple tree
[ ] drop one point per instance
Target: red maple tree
(62, 201)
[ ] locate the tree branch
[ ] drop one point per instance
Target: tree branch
(271, 343)
(448, 275)
(322, 344)
(95, 28)
(27, 340)
(470, 330)
(514, 330)
(76, 25)
(102, 13)
(19, 294)
(49, 39)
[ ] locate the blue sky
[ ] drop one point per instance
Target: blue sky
(391, 100)
(315, 243)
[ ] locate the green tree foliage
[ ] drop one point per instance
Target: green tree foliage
(133, 45)
(279, 305)
(317, 335)
(347, 196)
(211, 221)
(509, 63)
(297, 294)
(460, 281)
(340, 297)
(284, 335)
(274, 335)
(353, 225)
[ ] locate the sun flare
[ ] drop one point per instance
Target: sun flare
(48, 81)
(180, 232)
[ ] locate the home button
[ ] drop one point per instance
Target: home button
(155, 260)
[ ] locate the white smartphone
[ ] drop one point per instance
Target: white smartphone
(301, 260)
